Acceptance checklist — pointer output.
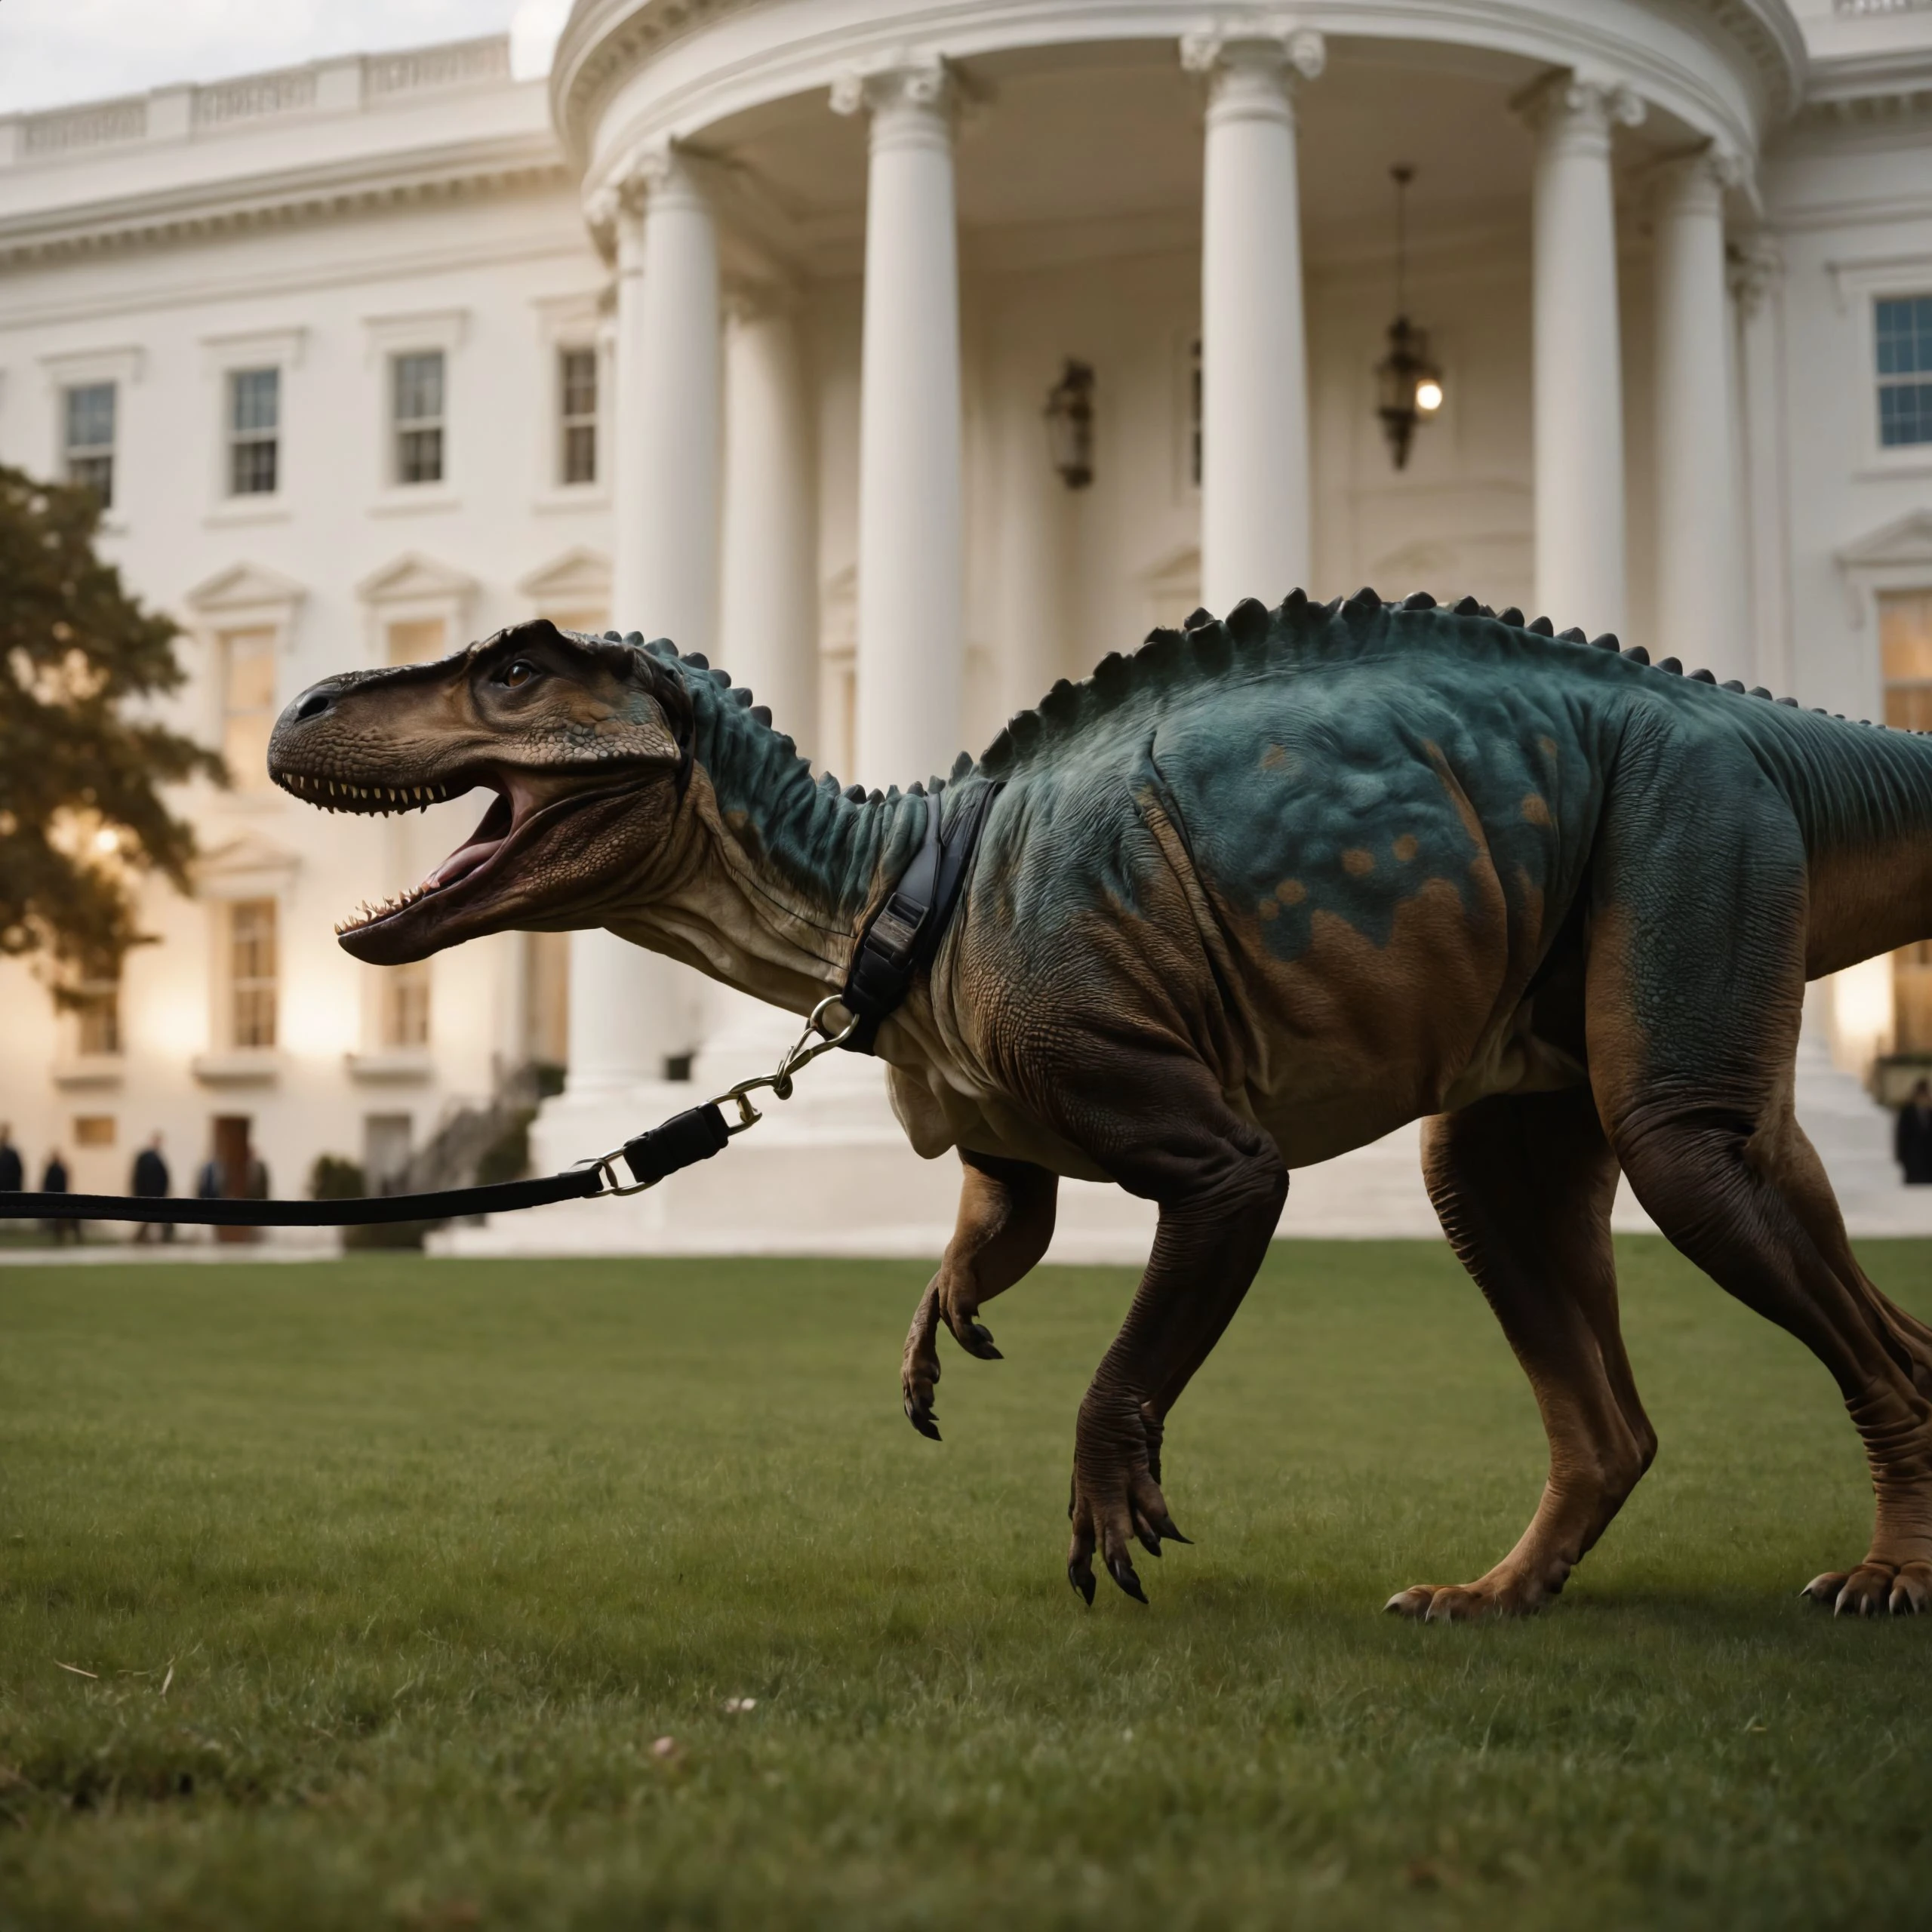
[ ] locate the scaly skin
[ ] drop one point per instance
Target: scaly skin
(1256, 896)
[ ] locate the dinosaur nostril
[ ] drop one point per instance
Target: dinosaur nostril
(313, 705)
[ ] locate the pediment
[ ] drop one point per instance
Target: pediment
(244, 587)
(579, 579)
(250, 862)
(414, 578)
(1907, 542)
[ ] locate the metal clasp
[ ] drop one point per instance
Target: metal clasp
(816, 1039)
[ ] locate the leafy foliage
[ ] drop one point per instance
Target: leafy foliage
(81, 814)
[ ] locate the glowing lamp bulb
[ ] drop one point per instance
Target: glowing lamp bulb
(106, 841)
(1428, 395)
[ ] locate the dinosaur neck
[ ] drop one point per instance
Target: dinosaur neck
(769, 874)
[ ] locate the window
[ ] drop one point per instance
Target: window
(577, 403)
(419, 416)
(405, 1012)
(1905, 370)
(97, 1018)
(88, 428)
(254, 431)
(251, 972)
(248, 705)
(416, 640)
(1905, 645)
(93, 1129)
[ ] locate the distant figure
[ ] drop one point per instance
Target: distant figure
(13, 1176)
(1911, 1139)
(54, 1180)
(210, 1184)
(150, 1182)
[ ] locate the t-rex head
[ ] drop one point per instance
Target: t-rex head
(585, 741)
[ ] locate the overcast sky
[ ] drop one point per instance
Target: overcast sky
(54, 50)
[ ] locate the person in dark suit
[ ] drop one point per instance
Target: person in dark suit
(13, 1175)
(1911, 1138)
(54, 1180)
(150, 1182)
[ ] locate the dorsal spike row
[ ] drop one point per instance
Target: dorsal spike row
(1192, 621)
(1733, 684)
(962, 765)
(856, 793)
(1542, 627)
(1638, 654)
(1759, 690)
(762, 712)
(1607, 642)
(1248, 622)
(1573, 635)
(1469, 608)
(1365, 599)
(1420, 600)
(1674, 666)
(697, 660)
(1792, 702)
(1513, 617)
(741, 697)
(1701, 677)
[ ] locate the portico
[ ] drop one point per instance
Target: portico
(834, 477)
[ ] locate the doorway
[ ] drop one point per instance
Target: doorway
(234, 1163)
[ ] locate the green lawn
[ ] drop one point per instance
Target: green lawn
(435, 1551)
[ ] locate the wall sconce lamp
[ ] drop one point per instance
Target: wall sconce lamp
(1409, 385)
(1069, 417)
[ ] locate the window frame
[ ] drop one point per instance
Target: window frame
(572, 423)
(1891, 381)
(235, 982)
(423, 423)
(250, 439)
(72, 454)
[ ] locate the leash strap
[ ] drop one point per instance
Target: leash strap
(904, 934)
(902, 939)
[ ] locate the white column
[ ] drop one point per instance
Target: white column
(1700, 615)
(767, 636)
(1577, 363)
(629, 1009)
(911, 650)
(1757, 282)
(1254, 447)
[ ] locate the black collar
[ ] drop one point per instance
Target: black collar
(904, 933)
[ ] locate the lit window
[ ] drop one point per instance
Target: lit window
(416, 640)
(93, 1129)
(89, 430)
(254, 431)
(419, 416)
(1905, 644)
(97, 1018)
(576, 373)
(405, 1014)
(251, 972)
(1905, 370)
(248, 705)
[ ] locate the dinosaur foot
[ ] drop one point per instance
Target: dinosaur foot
(1493, 1596)
(1115, 1501)
(1875, 1588)
(919, 1369)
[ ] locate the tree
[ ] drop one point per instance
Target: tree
(82, 815)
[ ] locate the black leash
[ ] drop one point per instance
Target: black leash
(901, 939)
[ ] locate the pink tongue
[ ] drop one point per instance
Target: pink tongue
(460, 864)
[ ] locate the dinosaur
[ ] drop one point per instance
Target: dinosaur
(1258, 893)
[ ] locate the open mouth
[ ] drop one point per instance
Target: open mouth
(515, 814)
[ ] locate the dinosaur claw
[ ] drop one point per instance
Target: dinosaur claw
(1148, 1541)
(977, 1339)
(1166, 1526)
(923, 1420)
(1082, 1581)
(1121, 1571)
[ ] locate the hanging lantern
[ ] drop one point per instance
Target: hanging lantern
(1409, 385)
(1070, 416)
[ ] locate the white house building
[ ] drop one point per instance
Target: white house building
(904, 357)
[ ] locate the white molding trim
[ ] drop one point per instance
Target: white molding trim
(72, 368)
(414, 588)
(429, 328)
(249, 867)
(246, 590)
(577, 579)
(280, 349)
(1896, 557)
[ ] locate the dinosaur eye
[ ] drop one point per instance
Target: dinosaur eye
(520, 672)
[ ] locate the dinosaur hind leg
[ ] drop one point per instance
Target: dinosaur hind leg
(1006, 1221)
(1523, 1186)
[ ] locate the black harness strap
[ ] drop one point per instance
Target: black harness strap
(904, 934)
